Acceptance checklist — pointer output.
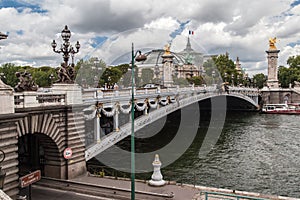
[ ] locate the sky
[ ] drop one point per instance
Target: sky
(107, 28)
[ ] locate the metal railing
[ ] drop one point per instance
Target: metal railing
(220, 195)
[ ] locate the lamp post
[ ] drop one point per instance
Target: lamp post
(66, 73)
(2, 173)
(51, 77)
(66, 49)
(213, 73)
(138, 58)
(232, 80)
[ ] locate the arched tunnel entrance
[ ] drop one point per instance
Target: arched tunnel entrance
(38, 152)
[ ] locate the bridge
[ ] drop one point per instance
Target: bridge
(36, 127)
(162, 103)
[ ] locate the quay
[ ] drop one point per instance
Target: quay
(172, 190)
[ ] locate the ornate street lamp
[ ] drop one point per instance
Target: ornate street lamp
(232, 79)
(138, 58)
(67, 73)
(2, 173)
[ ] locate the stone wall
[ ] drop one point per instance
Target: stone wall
(279, 95)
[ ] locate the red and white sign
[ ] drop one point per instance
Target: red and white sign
(30, 178)
(68, 153)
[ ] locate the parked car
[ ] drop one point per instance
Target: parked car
(150, 85)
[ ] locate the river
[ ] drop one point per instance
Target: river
(255, 152)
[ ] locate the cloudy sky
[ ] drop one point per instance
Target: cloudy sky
(241, 28)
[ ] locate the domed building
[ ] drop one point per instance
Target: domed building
(184, 64)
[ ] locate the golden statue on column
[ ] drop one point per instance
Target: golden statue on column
(272, 42)
(167, 49)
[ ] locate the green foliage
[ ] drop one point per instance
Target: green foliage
(294, 62)
(223, 67)
(41, 75)
(89, 72)
(9, 70)
(181, 81)
(197, 80)
(260, 80)
(147, 76)
(111, 75)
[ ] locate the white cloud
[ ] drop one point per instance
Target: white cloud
(240, 28)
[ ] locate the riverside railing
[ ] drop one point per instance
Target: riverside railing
(219, 195)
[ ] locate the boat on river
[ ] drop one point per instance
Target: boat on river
(291, 109)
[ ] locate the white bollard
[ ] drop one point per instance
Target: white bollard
(156, 178)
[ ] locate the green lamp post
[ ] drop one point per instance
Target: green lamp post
(138, 58)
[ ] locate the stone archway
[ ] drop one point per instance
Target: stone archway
(43, 132)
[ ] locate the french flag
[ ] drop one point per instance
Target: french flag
(191, 32)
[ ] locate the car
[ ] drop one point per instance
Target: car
(150, 85)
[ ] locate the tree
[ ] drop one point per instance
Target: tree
(223, 68)
(147, 76)
(41, 76)
(197, 80)
(294, 61)
(9, 70)
(260, 80)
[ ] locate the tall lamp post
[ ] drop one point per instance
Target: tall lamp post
(138, 58)
(66, 49)
(2, 173)
(66, 73)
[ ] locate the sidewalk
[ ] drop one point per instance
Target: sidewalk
(181, 192)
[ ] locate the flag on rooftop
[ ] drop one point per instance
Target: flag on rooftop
(191, 32)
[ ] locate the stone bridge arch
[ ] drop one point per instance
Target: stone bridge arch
(47, 134)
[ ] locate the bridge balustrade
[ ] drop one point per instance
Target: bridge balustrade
(34, 99)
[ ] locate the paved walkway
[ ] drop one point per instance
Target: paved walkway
(181, 192)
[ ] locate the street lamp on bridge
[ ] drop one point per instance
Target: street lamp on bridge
(213, 73)
(66, 73)
(138, 58)
(66, 49)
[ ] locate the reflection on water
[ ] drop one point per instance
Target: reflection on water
(259, 153)
(255, 152)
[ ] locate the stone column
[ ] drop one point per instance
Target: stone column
(116, 120)
(97, 129)
(272, 81)
(7, 105)
(72, 91)
(167, 70)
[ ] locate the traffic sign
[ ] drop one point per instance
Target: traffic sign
(68, 153)
(30, 178)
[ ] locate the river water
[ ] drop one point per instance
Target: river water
(255, 152)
